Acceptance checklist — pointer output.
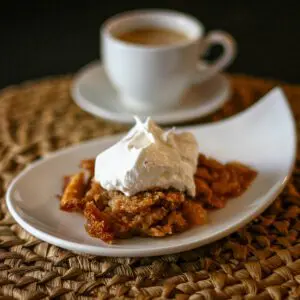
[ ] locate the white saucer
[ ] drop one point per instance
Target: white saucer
(93, 92)
(254, 137)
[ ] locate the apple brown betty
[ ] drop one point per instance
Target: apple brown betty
(156, 213)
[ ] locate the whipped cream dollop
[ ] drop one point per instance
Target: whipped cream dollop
(148, 157)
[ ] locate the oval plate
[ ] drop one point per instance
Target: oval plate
(263, 137)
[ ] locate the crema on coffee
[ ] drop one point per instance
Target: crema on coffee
(152, 36)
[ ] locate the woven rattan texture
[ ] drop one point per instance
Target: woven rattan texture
(260, 261)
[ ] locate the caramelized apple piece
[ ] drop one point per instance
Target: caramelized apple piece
(71, 199)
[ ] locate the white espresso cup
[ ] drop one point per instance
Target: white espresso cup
(151, 78)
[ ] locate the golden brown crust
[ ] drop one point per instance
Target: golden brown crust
(95, 193)
(98, 223)
(88, 165)
(133, 204)
(216, 183)
(175, 223)
(157, 212)
(71, 199)
(194, 213)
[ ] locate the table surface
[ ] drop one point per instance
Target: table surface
(47, 38)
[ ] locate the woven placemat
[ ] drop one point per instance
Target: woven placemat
(260, 261)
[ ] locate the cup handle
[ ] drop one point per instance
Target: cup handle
(229, 52)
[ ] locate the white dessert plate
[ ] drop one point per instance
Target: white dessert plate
(93, 92)
(263, 137)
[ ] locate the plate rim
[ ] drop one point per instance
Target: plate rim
(169, 118)
(121, 252)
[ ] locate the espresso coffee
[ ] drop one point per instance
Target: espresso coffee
(152, 36)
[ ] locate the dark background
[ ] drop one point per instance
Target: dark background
(42, 38)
